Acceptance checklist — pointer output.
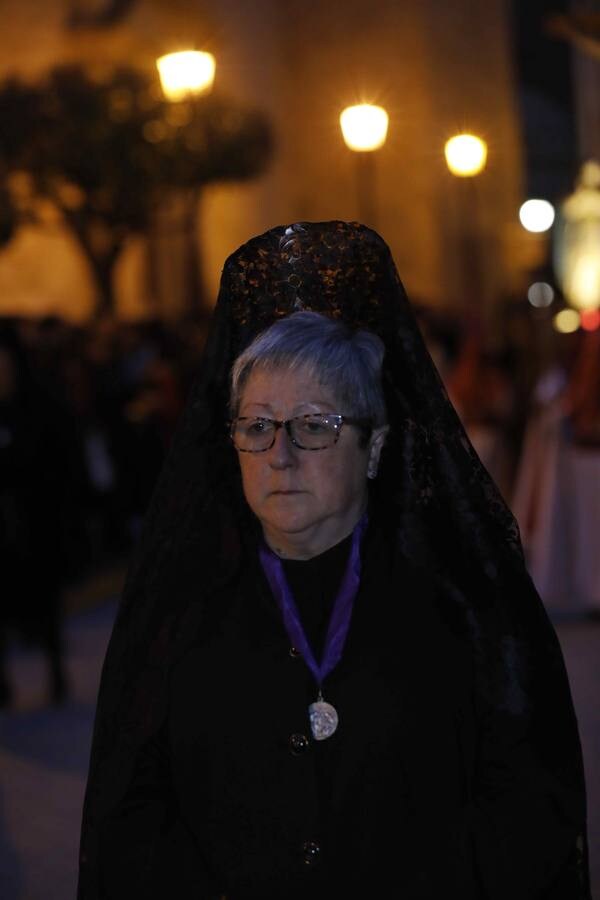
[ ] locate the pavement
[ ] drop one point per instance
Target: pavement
(44, 750)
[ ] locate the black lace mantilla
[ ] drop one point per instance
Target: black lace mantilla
(432, 489)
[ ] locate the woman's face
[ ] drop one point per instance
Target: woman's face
(306, 500)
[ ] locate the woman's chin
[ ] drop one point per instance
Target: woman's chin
(292, 523)
(291, 510)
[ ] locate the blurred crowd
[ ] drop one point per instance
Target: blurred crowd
(533, 415)
(87, 414)
(556, 490)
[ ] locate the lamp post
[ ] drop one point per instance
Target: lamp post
(184, 76)
(466, 157)
(364, 129)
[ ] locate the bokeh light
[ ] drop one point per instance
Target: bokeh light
(186, 72)
(466, 155)
(576, 248)
(364, 127)
(537, 215)
(590, 319)
(567, 321)
(582, 277)
(540, 294)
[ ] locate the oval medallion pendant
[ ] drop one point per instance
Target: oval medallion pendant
(323, 719)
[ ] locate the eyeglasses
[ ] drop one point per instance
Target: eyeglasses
(314, 431)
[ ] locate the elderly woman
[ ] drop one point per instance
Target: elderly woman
(330, 674)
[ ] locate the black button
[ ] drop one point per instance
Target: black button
(298, 744)
(311, 851)
(294, 652)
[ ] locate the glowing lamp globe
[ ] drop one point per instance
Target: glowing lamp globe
(364, 127)
(466, 155)
(186, 73)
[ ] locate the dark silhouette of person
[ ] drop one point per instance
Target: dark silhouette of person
(36, 503)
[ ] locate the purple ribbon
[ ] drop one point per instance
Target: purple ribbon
(339, 621)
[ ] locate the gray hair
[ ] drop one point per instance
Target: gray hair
(345, 361)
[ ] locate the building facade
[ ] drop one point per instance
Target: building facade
(437, 67)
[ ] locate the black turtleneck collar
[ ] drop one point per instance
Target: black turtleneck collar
(314, 584)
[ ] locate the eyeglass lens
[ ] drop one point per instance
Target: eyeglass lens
(310, 432)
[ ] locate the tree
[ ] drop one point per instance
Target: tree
(8, 217)
(106, 150)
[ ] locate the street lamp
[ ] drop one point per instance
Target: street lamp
(466, 157)
(364, 129)
(185, 76)
(186, 73)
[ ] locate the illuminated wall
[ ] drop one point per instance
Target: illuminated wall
(437, 68)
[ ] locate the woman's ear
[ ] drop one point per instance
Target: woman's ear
(376, 442)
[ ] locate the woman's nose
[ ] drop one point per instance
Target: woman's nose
(283, 453)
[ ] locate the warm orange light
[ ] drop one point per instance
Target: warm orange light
(590, 319)
(186, 73)
(577, 241)
(466, 155)
(364, 127)
(566, 321)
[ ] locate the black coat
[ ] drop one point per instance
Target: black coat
(456, 719)
(39, 514)
(422, 792)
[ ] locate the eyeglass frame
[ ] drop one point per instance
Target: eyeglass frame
(285, 423)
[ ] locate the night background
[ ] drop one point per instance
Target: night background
(119, 203)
